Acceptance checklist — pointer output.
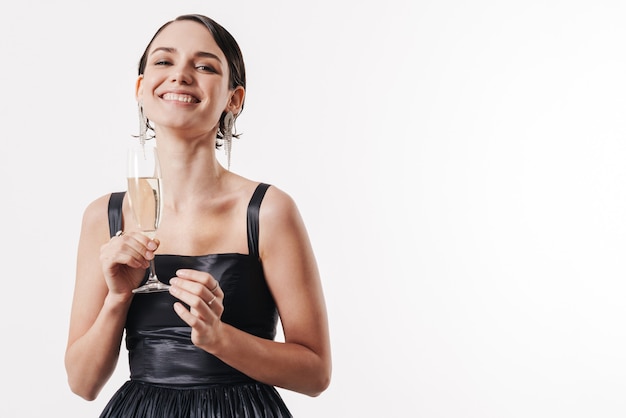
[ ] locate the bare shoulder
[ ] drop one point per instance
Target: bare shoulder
(277, 203)
(282, 230)
(278, 206)
(95, 215)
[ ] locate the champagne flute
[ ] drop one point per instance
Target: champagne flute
(145, 196)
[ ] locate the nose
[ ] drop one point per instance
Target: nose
(181, 74)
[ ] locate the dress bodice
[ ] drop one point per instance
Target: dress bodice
(159, 342)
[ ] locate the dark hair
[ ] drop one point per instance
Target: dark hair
(225, 41)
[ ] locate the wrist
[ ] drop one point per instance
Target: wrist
(115, 301)
(221, 341)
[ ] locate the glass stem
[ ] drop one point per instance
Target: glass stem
(152, 276)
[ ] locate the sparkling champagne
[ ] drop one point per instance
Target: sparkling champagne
(145, 201)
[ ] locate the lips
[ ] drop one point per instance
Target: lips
(180, 97)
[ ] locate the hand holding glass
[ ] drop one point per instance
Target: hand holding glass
(144, 193)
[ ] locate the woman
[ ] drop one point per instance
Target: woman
(236, 251)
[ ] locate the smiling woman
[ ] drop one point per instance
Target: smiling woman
(235, 252)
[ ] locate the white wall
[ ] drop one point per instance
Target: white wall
(460, 167)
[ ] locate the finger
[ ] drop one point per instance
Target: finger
(134, 261)
(123, 255)
(203, 278)
(112, 255)
(197, 306)
(139, 244)
(212, 301)
(197, 289)
(185, 314)
(216, 290)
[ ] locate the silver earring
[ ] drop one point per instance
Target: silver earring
(143, 124)
(227, 135)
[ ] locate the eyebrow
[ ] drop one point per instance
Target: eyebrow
(198, 54)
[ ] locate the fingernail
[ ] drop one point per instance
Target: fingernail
(173, 280)
(152, 245)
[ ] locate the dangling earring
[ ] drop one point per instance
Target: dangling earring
(227, 135)
(143, 124)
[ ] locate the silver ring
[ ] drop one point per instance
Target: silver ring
(215, 288)
(212, 300)
(119, 233)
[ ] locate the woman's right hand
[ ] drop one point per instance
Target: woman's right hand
(125, 259)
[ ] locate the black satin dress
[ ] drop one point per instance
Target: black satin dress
(172, 378)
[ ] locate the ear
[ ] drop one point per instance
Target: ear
(139, 88)
(236, 100)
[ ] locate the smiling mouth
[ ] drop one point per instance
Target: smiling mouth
(183, 98)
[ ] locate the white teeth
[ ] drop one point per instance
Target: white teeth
(179, 97)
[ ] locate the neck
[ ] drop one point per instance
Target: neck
(189, 168)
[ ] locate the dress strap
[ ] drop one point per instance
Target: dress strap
(253, 218)
(115, 212)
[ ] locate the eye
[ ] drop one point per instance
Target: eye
(162, 62)
(206, 68)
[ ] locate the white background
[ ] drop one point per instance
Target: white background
(461, 168)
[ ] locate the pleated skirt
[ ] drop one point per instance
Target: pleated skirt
(137, 399)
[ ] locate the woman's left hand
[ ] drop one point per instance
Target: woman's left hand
(205, 298)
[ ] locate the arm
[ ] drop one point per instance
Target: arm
(303, 362)
(106, 272)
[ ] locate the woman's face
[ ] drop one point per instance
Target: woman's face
(185, 82)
